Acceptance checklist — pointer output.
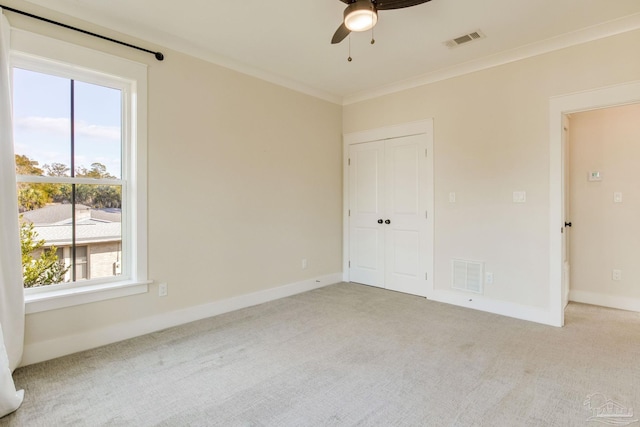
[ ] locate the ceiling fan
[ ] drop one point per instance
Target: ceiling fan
(362, 15)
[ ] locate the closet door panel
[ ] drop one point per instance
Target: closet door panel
(366, 206)
(405, 163)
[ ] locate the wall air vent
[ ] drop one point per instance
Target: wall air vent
(467, 275)
(463, 39)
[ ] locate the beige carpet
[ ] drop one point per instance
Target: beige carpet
(347, 355)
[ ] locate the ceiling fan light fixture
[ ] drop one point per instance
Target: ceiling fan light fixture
(360, 16)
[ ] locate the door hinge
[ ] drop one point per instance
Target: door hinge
(349, 212)
(426, 214)
(426, 276)
(349, 162)
(426, 153)
(349, 264)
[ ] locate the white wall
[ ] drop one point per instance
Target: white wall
(605, 235)
(244, 181)
(492, 138)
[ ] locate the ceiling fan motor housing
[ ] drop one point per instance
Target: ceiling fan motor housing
(360, 15)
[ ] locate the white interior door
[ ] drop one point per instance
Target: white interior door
(388, 223)
(405, 210)
(366, 209)
(566, 231)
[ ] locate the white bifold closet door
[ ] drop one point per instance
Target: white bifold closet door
(388, 214)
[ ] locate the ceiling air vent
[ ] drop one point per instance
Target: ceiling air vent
(463, 39)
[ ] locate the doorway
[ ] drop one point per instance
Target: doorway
(603, 206)
(559, 107)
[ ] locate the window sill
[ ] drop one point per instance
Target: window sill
(45, 301)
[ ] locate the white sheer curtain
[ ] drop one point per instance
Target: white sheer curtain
(11, 292)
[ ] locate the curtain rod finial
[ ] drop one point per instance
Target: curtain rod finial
(159, 56)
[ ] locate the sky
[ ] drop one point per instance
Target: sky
(41, 121)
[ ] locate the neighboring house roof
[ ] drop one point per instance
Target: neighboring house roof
(53, 224)
(57, 213)
(107, 214)
(88, 232)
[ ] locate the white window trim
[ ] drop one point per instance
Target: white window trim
(39, 53)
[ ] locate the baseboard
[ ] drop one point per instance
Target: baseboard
(611, 301)
(504, 308)
(46, 350)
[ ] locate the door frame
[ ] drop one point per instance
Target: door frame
(390, 132)
(559, 106)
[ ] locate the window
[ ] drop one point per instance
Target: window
(68, 133)
(80, 145)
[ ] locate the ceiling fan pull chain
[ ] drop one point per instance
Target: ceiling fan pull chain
(373, 40)
(349, 58)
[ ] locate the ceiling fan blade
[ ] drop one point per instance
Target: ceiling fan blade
(397, 4)
(340, 34)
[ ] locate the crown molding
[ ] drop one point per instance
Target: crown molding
(164, 40)
(248, 70)
(596, 32)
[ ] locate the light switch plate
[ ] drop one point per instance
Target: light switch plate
(519, 196)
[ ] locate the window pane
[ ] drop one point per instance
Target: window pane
(98, 234)
(99, 196)
(98, 231)
(35, 196)
(42, 229)
(98, 117)
(42, 128)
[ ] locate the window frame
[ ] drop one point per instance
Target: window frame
(38, 53)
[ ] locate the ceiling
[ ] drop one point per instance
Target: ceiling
(288, 41)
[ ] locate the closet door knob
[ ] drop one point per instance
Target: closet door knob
(380, 221)
(388, 221)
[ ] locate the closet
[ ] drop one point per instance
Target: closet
(390, 193)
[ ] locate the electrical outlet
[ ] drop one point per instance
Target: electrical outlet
(617, 197)
(488, 278)
(616, 275)
(162, 289)
(305, 264)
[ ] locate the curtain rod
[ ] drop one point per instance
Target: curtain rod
(159, 56)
